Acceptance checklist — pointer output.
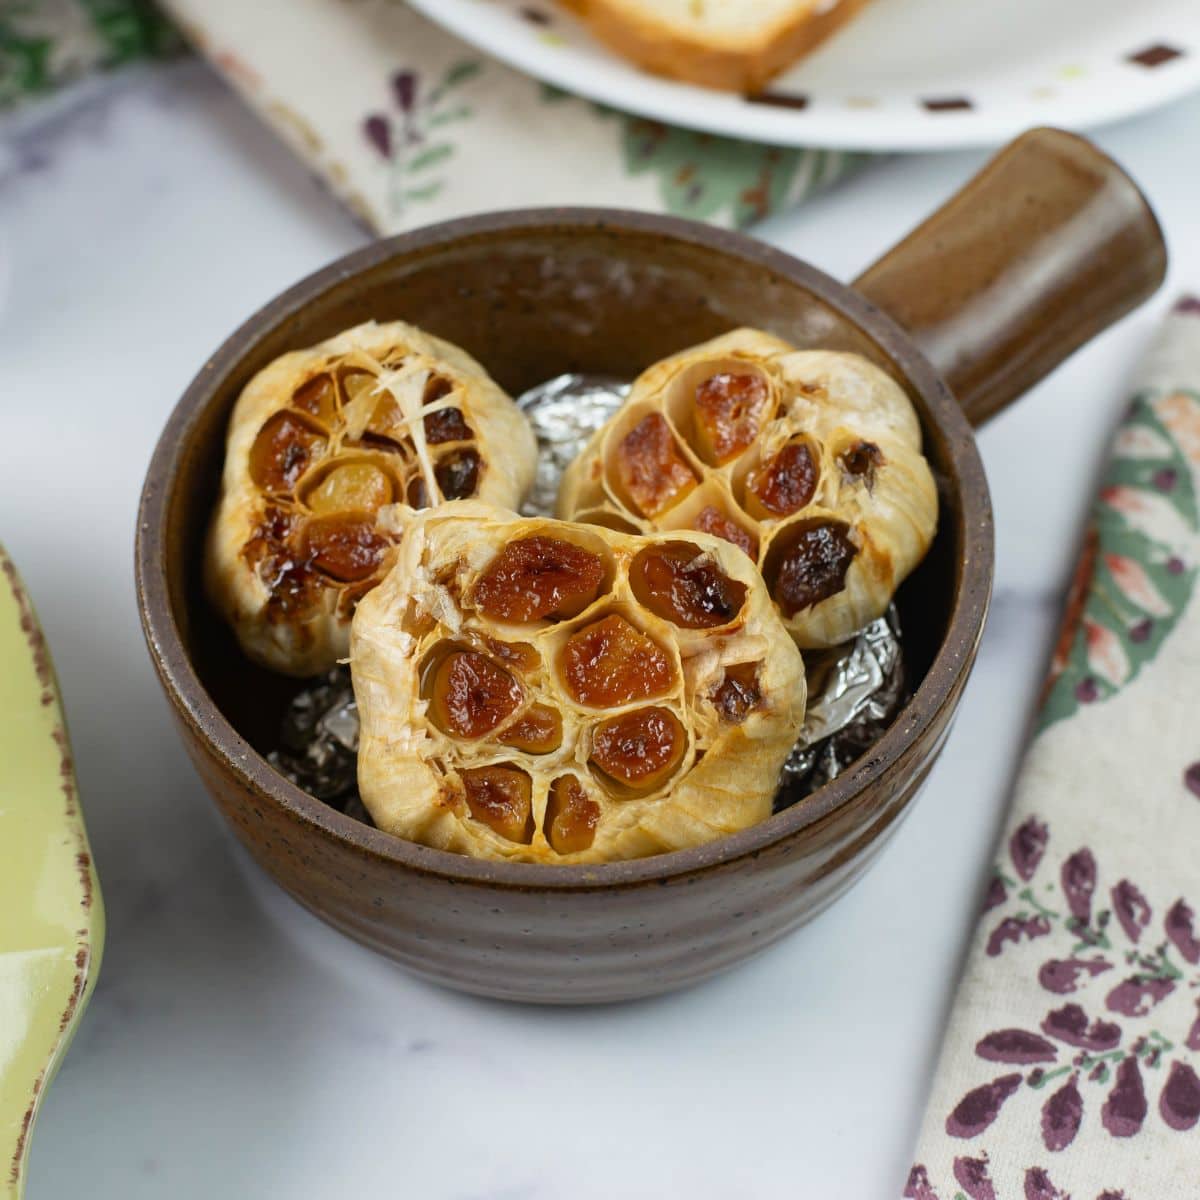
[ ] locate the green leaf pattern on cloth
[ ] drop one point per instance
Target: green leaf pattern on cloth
(44, 43)
(720, 179)
(705, 177)
(130, 29)
(1137, 573)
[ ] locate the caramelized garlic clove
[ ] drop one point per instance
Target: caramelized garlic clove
(416, 494)
(651, 468)
(501, 798)
(470, 696)
(640, 749)
(807, 563)
(318, 397)
(682, 584)
(611, 662)
(731, 408)
(711, 519)
(437, 387)
(571, 817)
(738, 694)
(352, 486)
(539, 577)
(520, 656)
(446, 425)
(860, 461)
(347, 548)
(286, 446)
(538, 731)
(785, 484)
(457, 474)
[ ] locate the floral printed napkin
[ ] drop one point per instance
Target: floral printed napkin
(1071, 1064)
(45, 43)
(409, 125)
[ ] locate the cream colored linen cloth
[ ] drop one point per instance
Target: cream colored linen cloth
(409, 125)
(1071, 1062)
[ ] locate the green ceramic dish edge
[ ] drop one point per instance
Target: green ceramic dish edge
(51, 914)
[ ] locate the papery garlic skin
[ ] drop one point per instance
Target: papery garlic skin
(711, 767)
(810, 460)
(327, 447)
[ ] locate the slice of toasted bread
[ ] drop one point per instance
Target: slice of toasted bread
(733, 45)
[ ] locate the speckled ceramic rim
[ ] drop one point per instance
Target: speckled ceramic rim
(965, 479)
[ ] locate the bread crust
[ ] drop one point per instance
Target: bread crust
(743, 66)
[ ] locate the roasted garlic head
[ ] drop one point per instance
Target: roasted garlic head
(535, 690)
(325, 447)
(809, 461)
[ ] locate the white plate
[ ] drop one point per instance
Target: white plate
(904, 75)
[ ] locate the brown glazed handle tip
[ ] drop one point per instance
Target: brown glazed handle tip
(1046, 247)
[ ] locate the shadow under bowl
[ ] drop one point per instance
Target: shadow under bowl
(533, 294)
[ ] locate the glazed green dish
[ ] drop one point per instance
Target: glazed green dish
(51, 916)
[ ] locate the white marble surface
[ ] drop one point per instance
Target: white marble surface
(236, 1047)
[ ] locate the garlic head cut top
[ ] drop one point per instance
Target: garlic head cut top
(809, 461)
(540, 691)
(326, 447)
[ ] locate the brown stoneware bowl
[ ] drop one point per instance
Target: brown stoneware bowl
(1045, 248)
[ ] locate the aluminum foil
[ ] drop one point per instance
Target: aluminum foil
(565, 412)
(854, 691)
(318, 741)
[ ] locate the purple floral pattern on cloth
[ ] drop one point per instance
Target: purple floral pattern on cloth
(972, 1176)
(1026, 847)
(1191, 778)
(1071, 1066)
(1180, 931)
(1131, 908)
(1038, 1186)
(918, 1187)
(412, 134)
(1094, 1053)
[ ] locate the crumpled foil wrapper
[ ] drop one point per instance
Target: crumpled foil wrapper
(854, 690)
(318, 743)
(565, 412)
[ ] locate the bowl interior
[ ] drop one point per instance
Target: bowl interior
(531, 300)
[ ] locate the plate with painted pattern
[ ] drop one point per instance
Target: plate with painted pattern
(903, 75)
(51, 917)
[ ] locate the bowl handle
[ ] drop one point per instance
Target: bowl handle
(1045, 248)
